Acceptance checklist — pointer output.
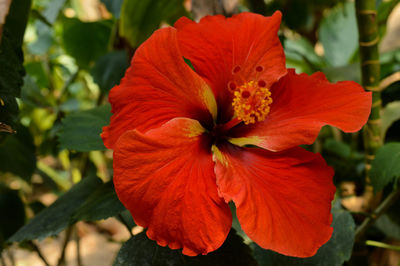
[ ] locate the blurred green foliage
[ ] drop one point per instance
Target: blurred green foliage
(57, 66)
(335, 252)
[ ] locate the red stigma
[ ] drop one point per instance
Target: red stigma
(236, 69)
(232, 86)
(245, 94)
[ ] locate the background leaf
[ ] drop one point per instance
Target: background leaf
(114, 6)
(17, 19)
(386, 166)
(81, 130)
(110, 69)
(86, 41)
(57, 216)
(390, 114)
(346, 72)
(12, 205)
(334, 253)
(101, 204)
(140, 250)
(52, 11)
(338, 34)
(301, 55)
(139, 18)
(11, 59)
(11, 73)
(389, 227)
(17, 154)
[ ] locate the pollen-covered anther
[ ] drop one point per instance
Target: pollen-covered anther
(251, 102)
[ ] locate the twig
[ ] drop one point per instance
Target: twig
(78, 252)
(68, 83)
(377, 213)
(66, 240)
(122, 220)
(11, 257)
(39, 253)
(381, 245)
(386, 82)
(365, 214)
(3, 262)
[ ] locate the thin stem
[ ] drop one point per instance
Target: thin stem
(61, 260)
(392, 198)
(1, 31)
(365, 214)
(66, 85)
(39, 253)
(11, 257)
(122, 220)
(370, 70)
(381, 245)
(78, 248)
(386, 82)
(101, 98)
(3, 262)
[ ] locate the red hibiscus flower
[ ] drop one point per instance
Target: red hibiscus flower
(188, 142)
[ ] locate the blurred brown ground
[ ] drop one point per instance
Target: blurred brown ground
(100, 242)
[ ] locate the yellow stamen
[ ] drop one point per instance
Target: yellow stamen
(251, 102)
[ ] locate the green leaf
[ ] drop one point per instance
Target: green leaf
(12, 206)
(126, 217)
(386, 166)
(301, 53)
(384, 10)
(81, 130)
(114, 6)
(139, 18)
(86, 41)
(17, 154)
(38, 73)
(140, 250)
(339, 35)
(44, 39)
(390, 114)
(11, 59)
(334, 253)
(52, 10)
(11, 73)
(101, 204)
(17, 19)
(389, 227)
(110, 69)
(31, 94)
(347, 72)
(189, 63)
(337, 148)
(57, 216)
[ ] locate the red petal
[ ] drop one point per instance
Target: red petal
(283, 199)
(157, 87)
(166, 180)
(218, 47)
(301, 105)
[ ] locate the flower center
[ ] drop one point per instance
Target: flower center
(251, 102)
